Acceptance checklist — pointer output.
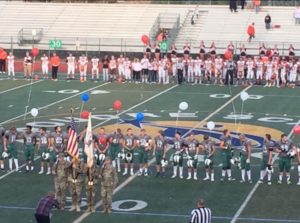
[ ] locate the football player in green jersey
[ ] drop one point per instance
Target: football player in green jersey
(266, 163)
(159, 151)
(129, 145)
(144, 146)
(208, 146)
(287, 151)
(226, 154)
(245, 155)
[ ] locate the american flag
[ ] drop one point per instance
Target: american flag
(72, 146)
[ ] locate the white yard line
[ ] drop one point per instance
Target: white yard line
(131, 178)
(24, 85)
(54, 103)
(250, 195)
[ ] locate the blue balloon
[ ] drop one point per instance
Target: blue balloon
(140, 116)
(85, 97)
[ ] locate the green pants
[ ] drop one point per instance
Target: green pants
(264, 162)
(113, 151)
(12, 149)
(158, 156)
(284, 164)
(53, 156)
(244, 164)
(143, 156)
(226, 156)
(29, 152)
(1, 151)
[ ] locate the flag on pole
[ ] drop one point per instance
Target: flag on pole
(88, 143)
(72, 146)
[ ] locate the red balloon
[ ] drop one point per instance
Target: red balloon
(227, 54)
(145, 39)
(296, 129)
(117, 105)
(35, 51)
(84, 114)
(160, 37)
(102, 140)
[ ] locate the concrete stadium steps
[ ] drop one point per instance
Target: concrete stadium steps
(89, 21)
(222, 26)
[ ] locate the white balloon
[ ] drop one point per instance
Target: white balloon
(211, 125)
(34, 112)
(183, 106)
(244, 96)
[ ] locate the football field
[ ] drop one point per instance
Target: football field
(155, 199)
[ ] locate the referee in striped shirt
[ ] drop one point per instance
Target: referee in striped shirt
(201, 214)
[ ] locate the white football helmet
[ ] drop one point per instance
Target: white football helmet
(270, 170)
(121, 156)
(164, 162)
(5, 155)
(96, 156)
(45, 156)
(101, 157)
(190, 163)
(235, 161)
(128, 157)
(291, 154)
(176, 158)
(207, 162)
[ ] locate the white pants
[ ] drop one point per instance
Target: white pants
(197, 72)
(83, 71)
(268, 76)
(105, 74)
(121, 71)
(259, 74)
(250, 74)
(293, 77)
(71, 69)
(45, 69)
(282, 76)
(95, 70)
(161, 76)
(127, 74)
(11, 69)
(174, 70)
(190, 75)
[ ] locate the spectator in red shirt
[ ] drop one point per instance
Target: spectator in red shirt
(44, 207)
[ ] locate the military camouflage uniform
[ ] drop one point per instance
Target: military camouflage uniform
(60, 181)
(108, 183)
(75, 180)
(91, 181)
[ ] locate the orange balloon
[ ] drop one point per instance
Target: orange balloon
(159, 38)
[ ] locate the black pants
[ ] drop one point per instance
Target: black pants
(243, 3)
(42, 218)
(180, 76)
(2, 65)
(229, 73)
(54, 72)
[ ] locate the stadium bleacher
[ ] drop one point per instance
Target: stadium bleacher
(106, 27)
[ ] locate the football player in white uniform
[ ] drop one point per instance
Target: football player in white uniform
(83, 61)
(11, 65)
(71, 61)
(45, 66)
(95, 67)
